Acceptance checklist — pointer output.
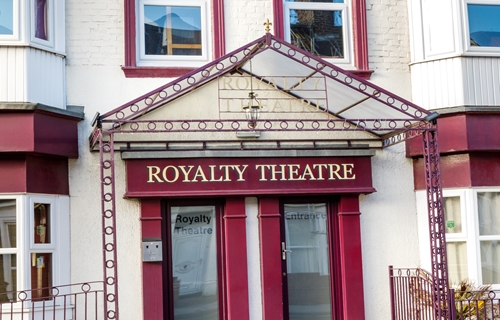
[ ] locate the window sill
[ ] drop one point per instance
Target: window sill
(364, 74)
(154, 72)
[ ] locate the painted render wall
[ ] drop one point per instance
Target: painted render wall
(95, 52)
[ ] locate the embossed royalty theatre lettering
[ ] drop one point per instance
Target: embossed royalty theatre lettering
(241, 172)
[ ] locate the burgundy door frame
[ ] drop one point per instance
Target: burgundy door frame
(233, 276)
(347, 296)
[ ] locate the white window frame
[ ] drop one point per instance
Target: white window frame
(344, 7)
(15, 36)
(45, 44)
(473, 50)
(144, 60)
(59, 245)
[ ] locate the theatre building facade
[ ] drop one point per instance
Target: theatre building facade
(193, 160)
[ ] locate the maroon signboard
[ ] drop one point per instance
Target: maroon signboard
(248, 176)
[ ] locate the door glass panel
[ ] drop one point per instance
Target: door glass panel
(307, 261)
(41, 275)
(41, 223)
(194, 262)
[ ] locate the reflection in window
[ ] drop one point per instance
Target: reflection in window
(172, 30)
(8, 261)
(41, 19)
(41, 275)
(6, 17)
(41, 216)
(484, 25)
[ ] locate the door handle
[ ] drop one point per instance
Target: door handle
(284, 251)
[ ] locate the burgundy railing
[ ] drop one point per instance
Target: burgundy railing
(412, 299)
(82, 301)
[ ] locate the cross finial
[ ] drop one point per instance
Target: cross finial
(268, 25)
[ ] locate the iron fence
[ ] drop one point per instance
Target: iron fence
(412, 298)
(82, 301)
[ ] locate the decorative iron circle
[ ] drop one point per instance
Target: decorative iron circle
(110, 264)
(106, 147)
(362, 123)
(348, 80)
(22, 296)
(346, 125)
(334, 73)
(233, 59)
(219, 125)
(109, 247)
(376, 93)
(185, 125)
(108, 214)
(277, 45)
(107, 180)
(404, 107)
(315, 124)
(392, 124)
(110, 281)
(168, 126)
(219, 66)
(177, 87)
(246, 51)
(418, 113)
(268, 124)
(163, 94)
(134, 126)
(110, 297)
(85, 287)
(291, 52)
(320, 65)
(108, 197)
(377, 124)
(120, 115)
(492, 294)
(106, 164)
(362, 86)
(390, 100)
(191, 80)
(407, 124)
(108, 230)
(152, 126)
(284, 125)
(299, 125)
(202, 125)
(148, 101)
(235, 125)
(111, 314)
(205, 73)
(54, 291)
(134, 108)
(306, 59)
(331, 124)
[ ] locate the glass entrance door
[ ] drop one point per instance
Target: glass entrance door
(306, 262)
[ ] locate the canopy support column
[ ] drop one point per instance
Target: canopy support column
(436, 224)
(107, 164)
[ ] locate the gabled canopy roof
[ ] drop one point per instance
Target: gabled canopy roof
(350, 99)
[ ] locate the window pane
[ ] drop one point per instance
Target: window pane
(457, 261)
(484, 25)
(490, 261)
(41, 275)
(7, 223)
(41, 20)
(41, 223)
(308, 261)
(323, 1)
(172, 30)
(488, 213)
(6, 17)
(453, 215)
(8, 277)
(194, 263)
(317, 31)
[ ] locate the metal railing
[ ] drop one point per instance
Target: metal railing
(412, 298)
(81, 301)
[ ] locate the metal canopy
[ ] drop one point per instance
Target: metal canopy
(352, 103)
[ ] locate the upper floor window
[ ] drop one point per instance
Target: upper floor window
(482, 26)
(171, 37)
(321, 28)
(7, 17)
(173, 32)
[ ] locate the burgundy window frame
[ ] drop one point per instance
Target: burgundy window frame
(131, 70)
(360, 37)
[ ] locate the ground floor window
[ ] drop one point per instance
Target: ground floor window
(473, 235)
